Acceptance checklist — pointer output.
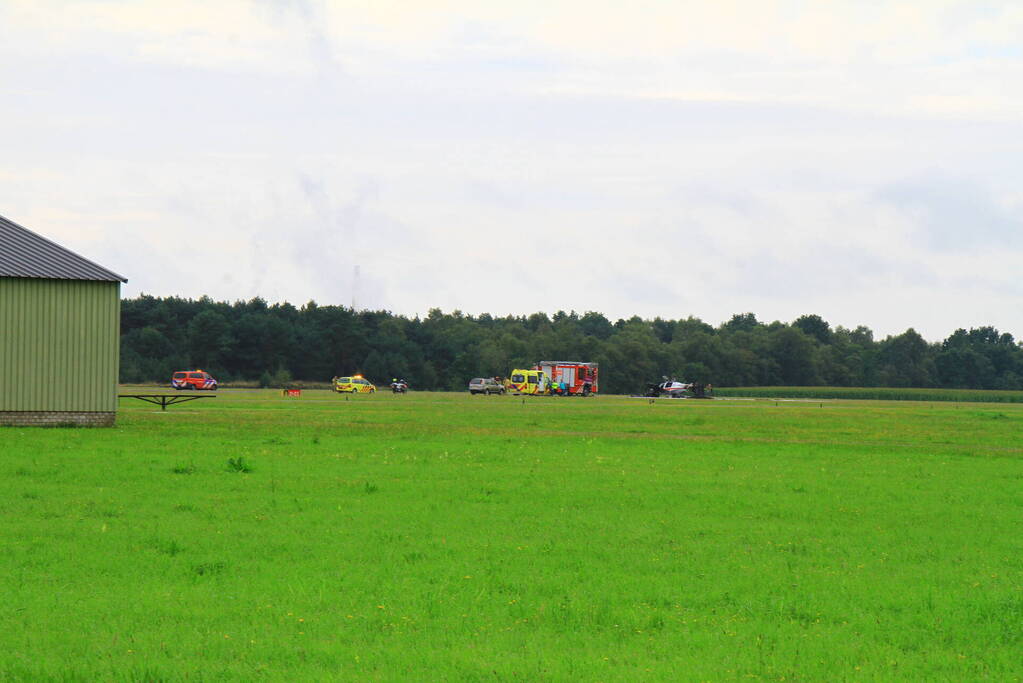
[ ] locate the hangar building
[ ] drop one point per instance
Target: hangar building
(59, 333)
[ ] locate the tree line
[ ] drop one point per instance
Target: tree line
(273, 344)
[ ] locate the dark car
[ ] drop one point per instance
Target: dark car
(486, 386)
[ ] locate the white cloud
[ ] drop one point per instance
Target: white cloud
(669, 159)
(227, 34)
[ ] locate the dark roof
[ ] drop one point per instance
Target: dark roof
(26, 254)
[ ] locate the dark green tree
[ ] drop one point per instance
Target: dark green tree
(814, 326)
(905, 361)
(793, 351)
(210, 341)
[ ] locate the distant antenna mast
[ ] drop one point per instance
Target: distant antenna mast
(355, 285)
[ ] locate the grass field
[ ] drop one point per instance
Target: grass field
(875, 394)
(443, 537)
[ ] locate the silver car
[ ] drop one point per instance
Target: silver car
(485, 386)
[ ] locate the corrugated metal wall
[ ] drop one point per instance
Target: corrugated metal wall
(59, 344)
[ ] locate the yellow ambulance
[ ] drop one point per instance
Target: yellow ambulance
(529, 382)
(356, 384)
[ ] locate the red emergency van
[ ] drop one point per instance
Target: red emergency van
(193, 379)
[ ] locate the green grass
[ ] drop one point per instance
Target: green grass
(875, 393)
(443, 537)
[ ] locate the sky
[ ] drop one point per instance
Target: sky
(857, 160)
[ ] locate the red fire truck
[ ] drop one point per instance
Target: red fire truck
(577, 378)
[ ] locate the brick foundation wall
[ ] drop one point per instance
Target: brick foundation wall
(37, 418)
